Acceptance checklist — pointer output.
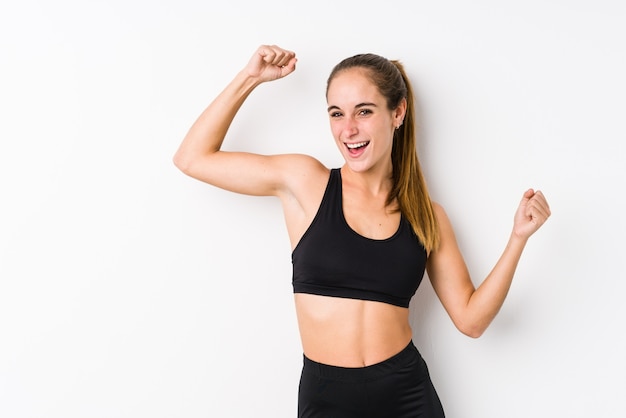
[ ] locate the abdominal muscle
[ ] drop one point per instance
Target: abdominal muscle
(349, 332)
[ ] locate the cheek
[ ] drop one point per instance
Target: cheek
(335, 129)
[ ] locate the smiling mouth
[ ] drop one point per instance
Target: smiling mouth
(357, 145)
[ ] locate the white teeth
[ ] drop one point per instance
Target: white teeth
(357, 145)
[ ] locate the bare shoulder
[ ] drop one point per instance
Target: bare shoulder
(440, 213)
(300, 170)
(301, 164)
(304, 179)
(303, 189)
(438, 208)
(446, 232)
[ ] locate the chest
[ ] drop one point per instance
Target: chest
(370, 217)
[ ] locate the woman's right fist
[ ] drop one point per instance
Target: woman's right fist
(271, 62)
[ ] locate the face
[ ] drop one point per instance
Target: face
(360, 121)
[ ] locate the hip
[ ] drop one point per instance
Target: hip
(399, 386)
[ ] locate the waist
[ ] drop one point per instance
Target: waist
(358, 374)
(348, 332)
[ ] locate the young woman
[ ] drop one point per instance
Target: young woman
(362, 236)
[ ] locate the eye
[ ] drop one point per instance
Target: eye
(335, 114)
(365, 112)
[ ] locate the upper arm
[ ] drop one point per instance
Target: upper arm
(448, 272)
(251, 174)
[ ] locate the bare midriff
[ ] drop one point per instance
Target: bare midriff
(349, 332)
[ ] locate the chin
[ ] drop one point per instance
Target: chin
(358, 166)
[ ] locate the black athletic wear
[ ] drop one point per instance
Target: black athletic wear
(331, 259)
(399, 387)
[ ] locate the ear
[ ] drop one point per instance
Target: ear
(399, 113)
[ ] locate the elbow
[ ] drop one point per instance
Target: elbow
(471, 330)
(181, 162)
(473, 333)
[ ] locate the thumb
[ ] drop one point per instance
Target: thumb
(528, 194)
(523, 204)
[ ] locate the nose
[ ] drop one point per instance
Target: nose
(350, 127)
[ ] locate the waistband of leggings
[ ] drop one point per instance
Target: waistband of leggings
(355, 374)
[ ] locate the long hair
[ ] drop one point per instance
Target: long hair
(409, 186)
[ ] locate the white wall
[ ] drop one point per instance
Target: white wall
(130, 290)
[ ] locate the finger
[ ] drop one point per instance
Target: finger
(540, 200)
(275, 55)
(286, 59)
(537, 213)
(538, 204)
(267, 53)
(290, 67)
(528, 194)
(283, 56)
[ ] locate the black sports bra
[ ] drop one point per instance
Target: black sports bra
(332, 259)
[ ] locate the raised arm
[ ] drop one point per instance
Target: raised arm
(472, 309)
(199, 154)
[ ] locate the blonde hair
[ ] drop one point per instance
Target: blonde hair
(409, 184)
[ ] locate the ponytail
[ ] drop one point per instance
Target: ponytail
(409, 184)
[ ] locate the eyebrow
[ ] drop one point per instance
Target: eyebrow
(360, 105)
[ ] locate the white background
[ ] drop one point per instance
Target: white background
(130, 290)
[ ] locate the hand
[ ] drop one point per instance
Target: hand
(532, 212)
(271, 62)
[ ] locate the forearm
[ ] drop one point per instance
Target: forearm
(472, 309)
(207, 133)
(486, 301)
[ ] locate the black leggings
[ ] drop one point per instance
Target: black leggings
(399, 387)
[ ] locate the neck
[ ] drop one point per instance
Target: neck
(375, 182)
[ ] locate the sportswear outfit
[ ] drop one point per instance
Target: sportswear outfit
(332, 259)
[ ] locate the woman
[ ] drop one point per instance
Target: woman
(361, 235)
